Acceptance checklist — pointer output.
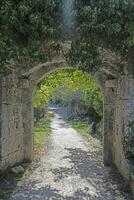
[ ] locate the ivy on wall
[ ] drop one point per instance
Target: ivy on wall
(28, 30)
(103, 24)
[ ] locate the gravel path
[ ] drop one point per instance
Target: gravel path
(70, 169)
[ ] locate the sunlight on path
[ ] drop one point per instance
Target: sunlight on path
(71, 169)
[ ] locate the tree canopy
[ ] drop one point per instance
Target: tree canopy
(25, 29)
(103, 24)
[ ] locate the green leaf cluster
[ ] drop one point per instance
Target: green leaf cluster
(61, 85)
(25, 29)
(103, 24)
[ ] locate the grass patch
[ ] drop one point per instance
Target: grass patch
(41, 133)
(81, 127)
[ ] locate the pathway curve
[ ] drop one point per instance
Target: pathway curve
(70, 169)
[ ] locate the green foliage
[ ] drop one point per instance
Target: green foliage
(42, 130)
(85, 54)
(103, 24)
(26, 28)
(81, 127)
(62, 85)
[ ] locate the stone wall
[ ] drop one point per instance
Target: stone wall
(109, 119)
(118, 112)
(124, 115)
(11, 137)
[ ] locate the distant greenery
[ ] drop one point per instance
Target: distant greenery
(41, 132)
(61, 86)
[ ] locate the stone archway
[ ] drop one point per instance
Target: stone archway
(34, 76)
(16, 114)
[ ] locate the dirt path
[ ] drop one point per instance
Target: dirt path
(71, 169)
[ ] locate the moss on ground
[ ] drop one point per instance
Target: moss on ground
(41, 133)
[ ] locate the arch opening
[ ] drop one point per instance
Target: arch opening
(29, 129)
(72, 92)
(73, 85)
